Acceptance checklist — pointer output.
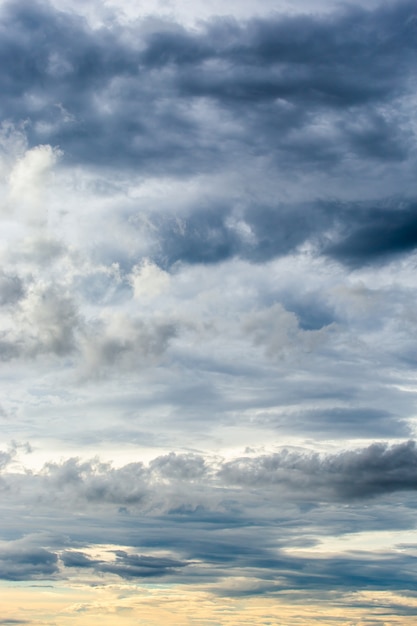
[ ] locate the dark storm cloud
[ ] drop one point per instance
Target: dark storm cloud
(214, 233)
(354, 234)
(129, 100)
(341, 61)
(307, 94)
(376, 233)
(368, 472)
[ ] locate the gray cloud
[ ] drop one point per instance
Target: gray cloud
(134, 102)
(21, 561)
(239, 518)
(282, 69)
(376, 233)
(73, 558)
(95, 482)
(48, 320)
(125, 342)
(354, 234)
(141, 566)
(342, 422)
(126, 565)
(369, 472)
(179, 466)
(11, 289)
(207, 248)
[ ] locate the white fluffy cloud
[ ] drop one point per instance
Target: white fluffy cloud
(28, 180)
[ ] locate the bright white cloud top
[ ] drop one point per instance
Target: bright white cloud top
(207, 312)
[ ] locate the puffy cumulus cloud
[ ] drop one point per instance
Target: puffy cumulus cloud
(44, 322)
(159, 486)
(372, 471)
(49, 320)
(180, 466)
(28, 178)
(147, 280)
(54, 317)
(125, 341)
(183, 482)
(95, 482)
(49, 307)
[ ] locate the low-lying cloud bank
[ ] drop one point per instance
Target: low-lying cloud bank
(294, 474)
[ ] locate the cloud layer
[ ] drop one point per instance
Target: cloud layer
(207, 311)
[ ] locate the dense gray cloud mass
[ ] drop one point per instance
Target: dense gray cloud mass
(208, 345)
(354, 234)
(208, 529)
(101, 100)
(369, 472)
(194, 484)
(377, 234)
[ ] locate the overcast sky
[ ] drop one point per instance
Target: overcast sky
(208, 326)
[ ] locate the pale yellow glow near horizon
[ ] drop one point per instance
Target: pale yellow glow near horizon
(136, 605)
(364, 541)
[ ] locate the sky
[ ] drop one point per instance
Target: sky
(208, 330)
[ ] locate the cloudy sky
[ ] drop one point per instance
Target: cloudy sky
(208, 325)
